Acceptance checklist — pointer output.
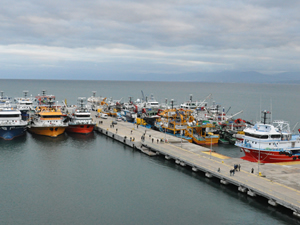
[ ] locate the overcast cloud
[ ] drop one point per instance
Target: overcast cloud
(114, 39)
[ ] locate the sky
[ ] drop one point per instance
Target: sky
(115, 40)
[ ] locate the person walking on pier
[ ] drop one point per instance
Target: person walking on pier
(239, 167)
(252, 170)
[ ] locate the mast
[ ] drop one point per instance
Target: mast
(264, 117)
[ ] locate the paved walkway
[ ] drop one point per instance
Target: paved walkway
(285, 191)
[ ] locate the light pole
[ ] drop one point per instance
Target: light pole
(258, 161)
(181, 131)
(210, 145)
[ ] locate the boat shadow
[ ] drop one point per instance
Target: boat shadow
(80, 137)
(46, 140)
(16, 143)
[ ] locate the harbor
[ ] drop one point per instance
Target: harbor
(123, 162)
(278, 183)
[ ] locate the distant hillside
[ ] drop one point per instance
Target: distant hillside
(228, 77)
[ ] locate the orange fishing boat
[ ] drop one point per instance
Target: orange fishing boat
(47, 121)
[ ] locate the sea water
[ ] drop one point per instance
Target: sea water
(92, 179)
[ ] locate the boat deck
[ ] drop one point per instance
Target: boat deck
(277, 182)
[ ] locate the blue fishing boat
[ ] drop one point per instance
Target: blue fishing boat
(11, 124)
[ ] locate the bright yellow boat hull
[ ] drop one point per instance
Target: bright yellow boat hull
(47, 131)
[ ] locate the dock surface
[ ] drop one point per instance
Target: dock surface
(279, 182)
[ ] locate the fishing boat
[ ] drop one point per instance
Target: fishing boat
(270, 143)
(44, 99)
(174, 122)
(193, 104)
(25, 105)
(11, 123)
(80, 120)
(202, 134)
(48, 120)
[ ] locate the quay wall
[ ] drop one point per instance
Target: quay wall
(196, 157)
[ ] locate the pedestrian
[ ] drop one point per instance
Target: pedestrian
(230, 172)
(239, 167)
(157, 141)
(219, 169)
(152, 140)
(131, 131)
(252, 170)
(233, 172)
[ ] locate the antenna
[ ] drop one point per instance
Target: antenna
(25, 93)
(271, 111)
(265, 112)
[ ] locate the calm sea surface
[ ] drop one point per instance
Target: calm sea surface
(91, 179)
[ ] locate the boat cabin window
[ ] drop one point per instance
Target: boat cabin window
(275, 136)
(257, 135)
(83, 116)
(9, 115)
(51, 117)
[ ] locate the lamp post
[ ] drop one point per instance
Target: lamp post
(258, 161)
(210, 145)
(181, 131)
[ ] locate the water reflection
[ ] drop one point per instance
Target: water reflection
(48, 143)
(14, 145)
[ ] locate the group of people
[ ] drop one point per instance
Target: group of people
(236, 167)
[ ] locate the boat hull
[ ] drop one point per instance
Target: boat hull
(80, 129)
(47, 131)
(11, 132)
(206, 141)
(266, 156)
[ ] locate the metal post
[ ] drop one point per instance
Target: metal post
(258, 161)
(181, 132)
(165, 134)
(210, 145)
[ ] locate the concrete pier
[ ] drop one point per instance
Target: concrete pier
(278, 183)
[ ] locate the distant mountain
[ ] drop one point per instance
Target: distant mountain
(228, 77)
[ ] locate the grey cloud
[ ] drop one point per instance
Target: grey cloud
(238, 35)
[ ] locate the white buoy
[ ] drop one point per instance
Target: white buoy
(272, 202)
(167, 157)
(194, 169)
(242, 189)
(208, 175)
(182, 164)
(223, 182)
(251, 193)
(296, 214)
(177, 161)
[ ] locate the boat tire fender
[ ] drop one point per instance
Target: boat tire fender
(294, 158)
